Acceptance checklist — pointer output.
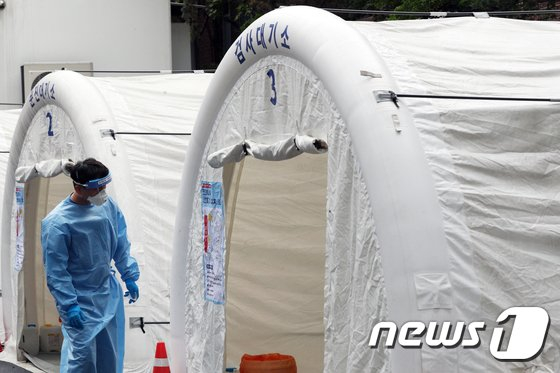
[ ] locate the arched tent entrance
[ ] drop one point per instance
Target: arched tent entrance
(301, 85)
(419, 193)
(64, 118)
(138, 126)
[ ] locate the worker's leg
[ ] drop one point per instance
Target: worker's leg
(110, 344)
(78, 353)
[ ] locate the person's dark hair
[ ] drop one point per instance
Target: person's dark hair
(88, 169)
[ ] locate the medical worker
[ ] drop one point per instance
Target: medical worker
(81, 237)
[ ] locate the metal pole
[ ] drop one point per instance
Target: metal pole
(154, 133)
(441, 14)
(132, 71)
(492, 98)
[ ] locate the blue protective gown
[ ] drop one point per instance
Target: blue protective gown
(79, 243)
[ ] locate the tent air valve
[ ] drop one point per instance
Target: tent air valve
(138, 322)
(383, 96)
(370, 74)
(107, 133)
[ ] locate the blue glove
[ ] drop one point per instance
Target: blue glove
(132, 292)
(76, 317)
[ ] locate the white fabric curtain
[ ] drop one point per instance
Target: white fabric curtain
(355, 297)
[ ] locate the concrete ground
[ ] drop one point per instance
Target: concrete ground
(6, 367)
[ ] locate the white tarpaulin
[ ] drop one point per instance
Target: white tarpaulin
(432, 210)
(494, 164)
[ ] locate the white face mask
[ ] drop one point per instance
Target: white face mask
(99, 199)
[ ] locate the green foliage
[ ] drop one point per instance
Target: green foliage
(219, 22)
(242, 12)
(198, 13)
(248, 11)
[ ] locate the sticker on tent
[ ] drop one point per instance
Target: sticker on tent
(20, 195)
(214, 241)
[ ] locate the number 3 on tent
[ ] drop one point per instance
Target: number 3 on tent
(270, 74)
(50, 132)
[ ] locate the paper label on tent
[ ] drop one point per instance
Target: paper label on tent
(214, 241)
(19, 220)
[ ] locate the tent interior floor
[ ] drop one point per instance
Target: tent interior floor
(49, 363)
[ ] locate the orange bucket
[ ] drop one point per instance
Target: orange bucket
(268, 363)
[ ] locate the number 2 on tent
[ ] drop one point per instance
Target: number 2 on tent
(50, 131)
(270, 74)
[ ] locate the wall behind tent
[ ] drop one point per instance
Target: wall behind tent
(181, 45)
(113, 35)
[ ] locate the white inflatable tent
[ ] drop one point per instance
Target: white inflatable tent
(432, 211)
(71, 116)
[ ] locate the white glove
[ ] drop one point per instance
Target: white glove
(67, 165)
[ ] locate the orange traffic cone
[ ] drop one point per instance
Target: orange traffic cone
(161, 365)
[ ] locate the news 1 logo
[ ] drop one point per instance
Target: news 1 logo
(526, 340)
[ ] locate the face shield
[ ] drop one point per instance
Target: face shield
(96, 183)
(101, 196)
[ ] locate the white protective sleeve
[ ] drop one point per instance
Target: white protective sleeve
(48, 168)
(279, 151)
